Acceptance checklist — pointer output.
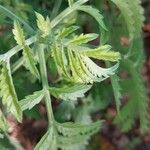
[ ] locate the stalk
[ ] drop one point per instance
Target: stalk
(43, 72)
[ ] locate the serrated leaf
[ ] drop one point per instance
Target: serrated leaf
(43, 24)
(72, 129)
(82, 39)
(31, 100)
(48, 141)
(116, 90)
(18, 34)
(60, 59)
(70, 92)
(73, 134)
(99, 72)
(7, 92)
(102, 53)
(95, 13)
(28, 56)
(137, 105)
(67, 31)
(30, 62)
(130, 10)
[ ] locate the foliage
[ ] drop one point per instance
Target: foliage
(56, 47)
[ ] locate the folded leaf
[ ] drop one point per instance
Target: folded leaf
(100, 73)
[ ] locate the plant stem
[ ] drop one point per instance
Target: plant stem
(44, 79)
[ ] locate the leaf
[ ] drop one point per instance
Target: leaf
(82, 39)
(43, 24)
(31, 100)
(99, 73)
(7, 92)
(70, 92)
(102, 53)
(48, 141)
(72, 133)
(137, 105)
(67, 31)
(72, 129)
(116, 89)
(18, 34)
(3, 122)
(30, 61)
(94, 13)
(129, 10)
(28, 56)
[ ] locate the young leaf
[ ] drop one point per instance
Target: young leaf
(82, 39)
(18, 34)
(67, 31)
(43, 24)
(30, 61)
(102, 53)
(28, 56)
(71, 92)
(7, 92)
(31, 100)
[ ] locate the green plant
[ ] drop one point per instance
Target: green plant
(56, 47)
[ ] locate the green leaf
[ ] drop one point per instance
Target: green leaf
(28, 56)
(67, 31)
(30, 62)
(43, 24)
(18, 34)
(70, 129)
(70, 92)
(137, 105)
(72, 133)
(129, 10)
(99, 73)
(48, 141)
(7, 92)
(116, 89)
(82, 39)
(3, 122)
(95, 14)
(102, 53)
(31, 100)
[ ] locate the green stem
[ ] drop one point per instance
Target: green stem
(44, 79)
